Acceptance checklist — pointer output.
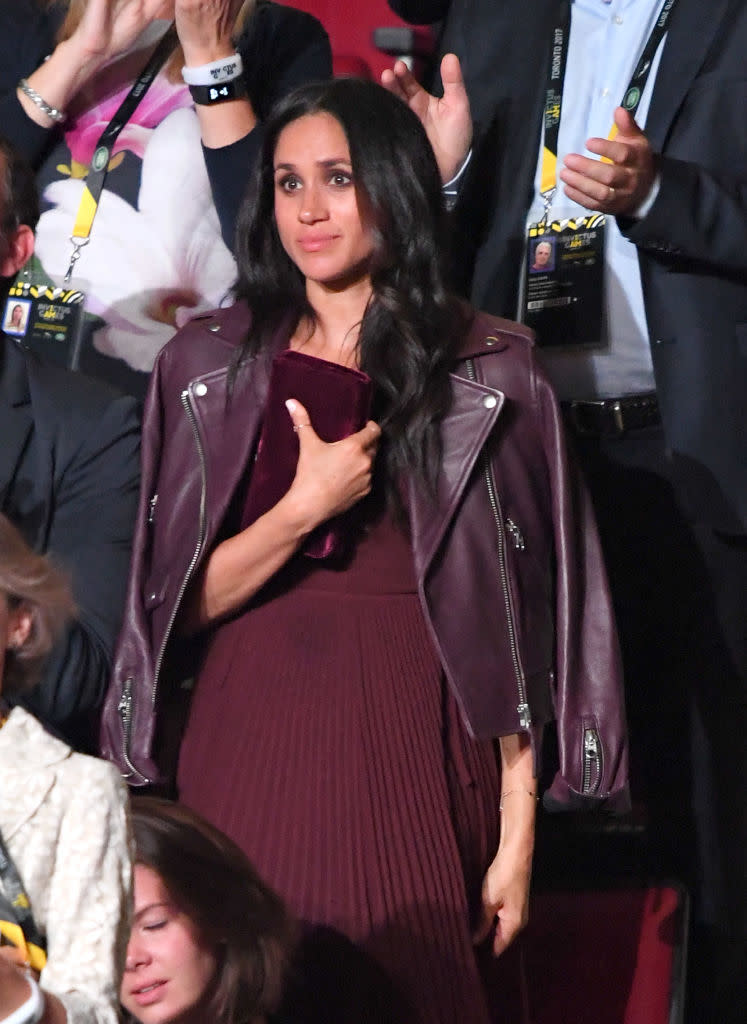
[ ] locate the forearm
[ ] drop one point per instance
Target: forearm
(240, 566)
(221, 124)
(518, 796)
(58, 79)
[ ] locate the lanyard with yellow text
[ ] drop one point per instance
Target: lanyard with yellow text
(554, 94)
(94, 184)
(16, 920)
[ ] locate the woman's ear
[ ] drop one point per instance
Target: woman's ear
(18, 251)
(20, 623)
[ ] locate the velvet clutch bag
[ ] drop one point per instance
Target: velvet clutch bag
(338, 401)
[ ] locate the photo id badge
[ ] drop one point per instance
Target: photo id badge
(46, 319)
(563, 296)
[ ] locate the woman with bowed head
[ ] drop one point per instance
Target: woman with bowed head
(64, 837)
(362, 510)
(157, 245)
(209, 941)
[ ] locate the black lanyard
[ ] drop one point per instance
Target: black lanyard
(94, 184)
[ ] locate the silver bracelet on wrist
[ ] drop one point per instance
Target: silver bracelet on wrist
(56, 115)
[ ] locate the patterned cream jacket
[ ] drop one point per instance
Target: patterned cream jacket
(64, 819)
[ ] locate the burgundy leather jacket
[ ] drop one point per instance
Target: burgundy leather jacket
(507, 557)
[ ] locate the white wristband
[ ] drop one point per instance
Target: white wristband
(223, 70)
(30, 1012)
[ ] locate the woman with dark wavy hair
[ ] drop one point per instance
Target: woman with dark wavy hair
(376, 612)
(209, 941)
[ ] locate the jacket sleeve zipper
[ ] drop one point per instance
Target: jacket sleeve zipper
(592, 772)
(124, 709)
(125, 706)
(523, 709)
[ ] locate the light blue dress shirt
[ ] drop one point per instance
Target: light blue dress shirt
(606, 40)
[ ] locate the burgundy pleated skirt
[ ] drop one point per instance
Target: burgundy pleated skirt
(323, 739)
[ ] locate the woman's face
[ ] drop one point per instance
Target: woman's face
(316, 206)
(170, 971)
(16, 316)
(15, 626)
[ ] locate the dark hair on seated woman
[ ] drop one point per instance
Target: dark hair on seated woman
(213, 883)
(412, 322)
(29, 579)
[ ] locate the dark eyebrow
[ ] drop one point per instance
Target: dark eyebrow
(333, 162)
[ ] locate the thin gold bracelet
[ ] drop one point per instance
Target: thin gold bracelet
(508, 792)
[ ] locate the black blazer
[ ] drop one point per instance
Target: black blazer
(69, 479)
(692, 245)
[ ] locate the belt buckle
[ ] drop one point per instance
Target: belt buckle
(605, 426)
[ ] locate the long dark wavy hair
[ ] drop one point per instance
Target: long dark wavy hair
(412, 324)
(211, 881)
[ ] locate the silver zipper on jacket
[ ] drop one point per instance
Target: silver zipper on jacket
(592, 774)
(185, 399)
(525, 715)
(126, 701)
(124, 710)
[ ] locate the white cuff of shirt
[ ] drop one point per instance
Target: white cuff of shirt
(451, 188)
(642, 209)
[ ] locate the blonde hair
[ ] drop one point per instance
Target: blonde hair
(30, 580)
(76, 9)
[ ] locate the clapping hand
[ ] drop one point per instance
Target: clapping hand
(447, 120)
(109, 27)
(622, 179)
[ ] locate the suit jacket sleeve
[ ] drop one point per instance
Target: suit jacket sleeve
(282, 48)
(698, 217)
(90, 537)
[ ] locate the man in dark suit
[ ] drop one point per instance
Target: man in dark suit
(69, 479)
(667, 467)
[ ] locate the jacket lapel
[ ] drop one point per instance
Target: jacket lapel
(689, 38)
(15, 415)
(474, 411)
(27, 751)
(229, 421)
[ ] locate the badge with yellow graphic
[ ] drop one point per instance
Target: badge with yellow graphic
(47, 319)
(563, 286)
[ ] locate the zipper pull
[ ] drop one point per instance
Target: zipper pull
(152, 508)
(591, 745)
(525, 716)
(516, 535)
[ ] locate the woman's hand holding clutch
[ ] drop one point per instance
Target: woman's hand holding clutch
(330, 478)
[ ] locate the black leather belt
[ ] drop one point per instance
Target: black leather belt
(612, 417)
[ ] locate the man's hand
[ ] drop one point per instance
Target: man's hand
(447, 121)
(622, 179)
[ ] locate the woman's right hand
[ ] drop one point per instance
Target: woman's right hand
(330, 478)
(109, 27)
